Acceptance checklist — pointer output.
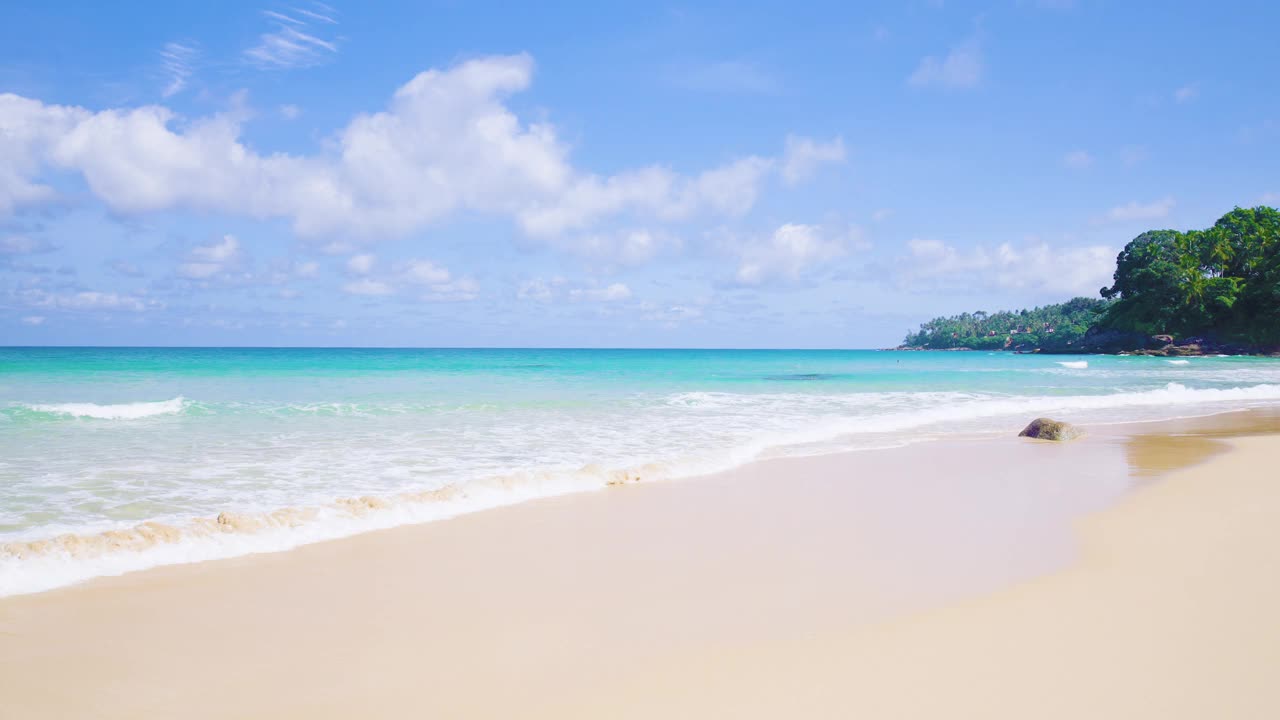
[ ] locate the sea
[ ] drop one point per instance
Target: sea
(118, 459)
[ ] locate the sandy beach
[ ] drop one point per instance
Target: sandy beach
(1130, 575)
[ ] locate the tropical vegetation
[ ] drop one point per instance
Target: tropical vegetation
(1221, 284)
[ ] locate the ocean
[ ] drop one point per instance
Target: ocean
(118, 459)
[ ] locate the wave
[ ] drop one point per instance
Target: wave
(1075, 364)
(28, 566)
(1178, 362)
(123, 411)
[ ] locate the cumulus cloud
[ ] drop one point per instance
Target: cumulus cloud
(447, 142)
(609, 293)
(423, 279)
(87, 300)
(546, 290)
(216, 258)
(803, 156)
(367, 286)
(1034, 265)
(360, 264)
(1135, 211)
(959, 69)
(791, 250)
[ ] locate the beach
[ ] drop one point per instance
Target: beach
(1129, 574)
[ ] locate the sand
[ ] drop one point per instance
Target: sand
(1130, 575)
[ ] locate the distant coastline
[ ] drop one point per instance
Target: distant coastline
(1174, 294)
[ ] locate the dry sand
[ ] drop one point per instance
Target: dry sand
(984, 578)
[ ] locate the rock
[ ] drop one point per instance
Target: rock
(1163, 339)
(1046, 429)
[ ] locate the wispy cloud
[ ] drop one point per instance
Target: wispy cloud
(1135, 211)
(960, 69)
(1077, 159)
(301, 38)
(177, 59)
(726, 76)
(1187, 93)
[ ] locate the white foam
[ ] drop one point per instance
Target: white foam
(1075, 364)
(1178, 362)
(123, 411)
(938, 413)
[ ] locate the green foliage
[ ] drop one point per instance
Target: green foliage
(1052, 327)
(1223, 282)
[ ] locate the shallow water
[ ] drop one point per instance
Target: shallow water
(117, 459)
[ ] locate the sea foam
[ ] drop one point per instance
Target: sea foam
(33, 564)
(122, 411)
(1075, 364)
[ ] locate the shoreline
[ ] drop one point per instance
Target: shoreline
(589, 604)
(231, 534)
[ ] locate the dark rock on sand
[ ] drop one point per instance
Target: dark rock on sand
(1046, 429)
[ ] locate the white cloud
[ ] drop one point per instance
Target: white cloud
(424, 279)
(538, 289)
(547, 290)
(1077, 160)
(961, 68)
(28, 131)
(619, 247)
(207, 261)
(447, 142)
(367, 286)
(290, 112)
(803, 156)
(1270, 198)
(669, 316)
(1034, 265)
(440, 284)
(1134, 211)
(23, 245)
(361, 264)
(295, 41)
(307, 269)
(426, 272)
(460, 290)
(1187, 93)
(33, 320)
(791, 250)
(609, 293)
(882, 214)
(88, 300)
(177, 59)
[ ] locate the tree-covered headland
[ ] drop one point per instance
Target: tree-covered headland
(1217, 288)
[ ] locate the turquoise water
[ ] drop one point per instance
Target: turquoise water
(188, 454)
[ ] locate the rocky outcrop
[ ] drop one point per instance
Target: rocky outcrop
(1047, 429)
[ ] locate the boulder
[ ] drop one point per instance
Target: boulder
(1046, 429)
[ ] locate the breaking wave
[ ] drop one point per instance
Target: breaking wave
(34, 565)
(123, 411)
(1075, 364)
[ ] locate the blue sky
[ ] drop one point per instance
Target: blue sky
(669, 175)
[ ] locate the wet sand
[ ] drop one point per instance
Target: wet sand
(1129, 574)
